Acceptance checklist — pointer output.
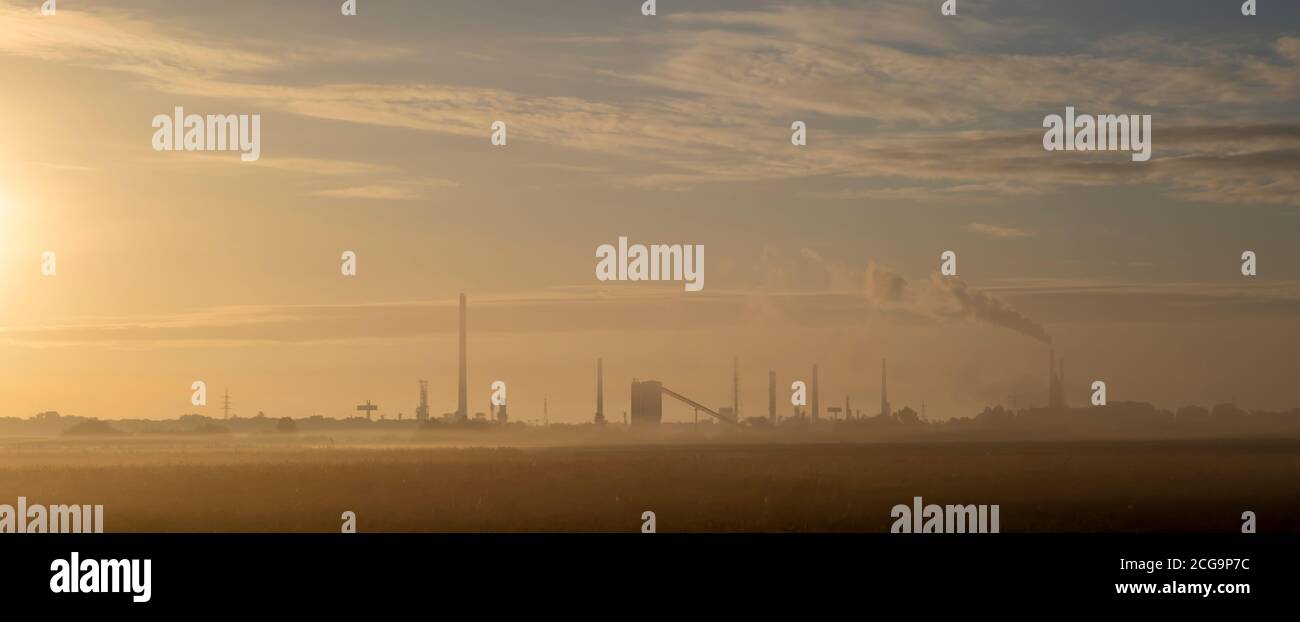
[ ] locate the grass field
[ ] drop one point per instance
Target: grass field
(289, 487)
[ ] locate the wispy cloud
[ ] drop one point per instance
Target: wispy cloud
(998, 231)
(917, 111)
(403, 191)
(60, 166)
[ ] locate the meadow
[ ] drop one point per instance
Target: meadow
(303, 485)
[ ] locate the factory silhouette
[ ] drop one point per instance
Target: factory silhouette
(809, 420)
(647, 397)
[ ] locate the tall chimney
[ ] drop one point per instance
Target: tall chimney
(884, 391)
(1061, 382)
(462, 407)
(816, 412)
(735, 388)
(600, 390)
(1051, 379)
(771, 396)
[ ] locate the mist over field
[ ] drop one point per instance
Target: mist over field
(397, 484)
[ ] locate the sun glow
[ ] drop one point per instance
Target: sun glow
(8, 243)
(8, 218)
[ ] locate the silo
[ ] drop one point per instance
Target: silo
(647, 402)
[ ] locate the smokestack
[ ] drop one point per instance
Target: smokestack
(1058, 382)
(884, 391)
(1051, 378)
(816, 412)
(1061, 382)
(1056, 386)
(771, 396)
(600, 390)
(735, 388)
(462, 406)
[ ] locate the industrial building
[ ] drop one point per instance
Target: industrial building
(647, 402)
(422, 410)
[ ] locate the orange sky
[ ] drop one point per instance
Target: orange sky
(924, 136)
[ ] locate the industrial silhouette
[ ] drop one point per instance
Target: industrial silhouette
(885, 409)
(600, 391)
(422, 410)
(367, 408)
(462, 407)
(816, 405)
(771, 397)
(647, 410)
(1055, 382)
(1054, 418)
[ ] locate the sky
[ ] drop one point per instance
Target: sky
(924, 135)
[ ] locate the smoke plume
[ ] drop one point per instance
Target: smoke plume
(964, 302)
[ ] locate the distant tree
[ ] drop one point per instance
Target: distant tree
(286, 426)
(91, 427)
(211, 428)
(994, 416)
(1226, 411)
(907, 416)
(1192, 413)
